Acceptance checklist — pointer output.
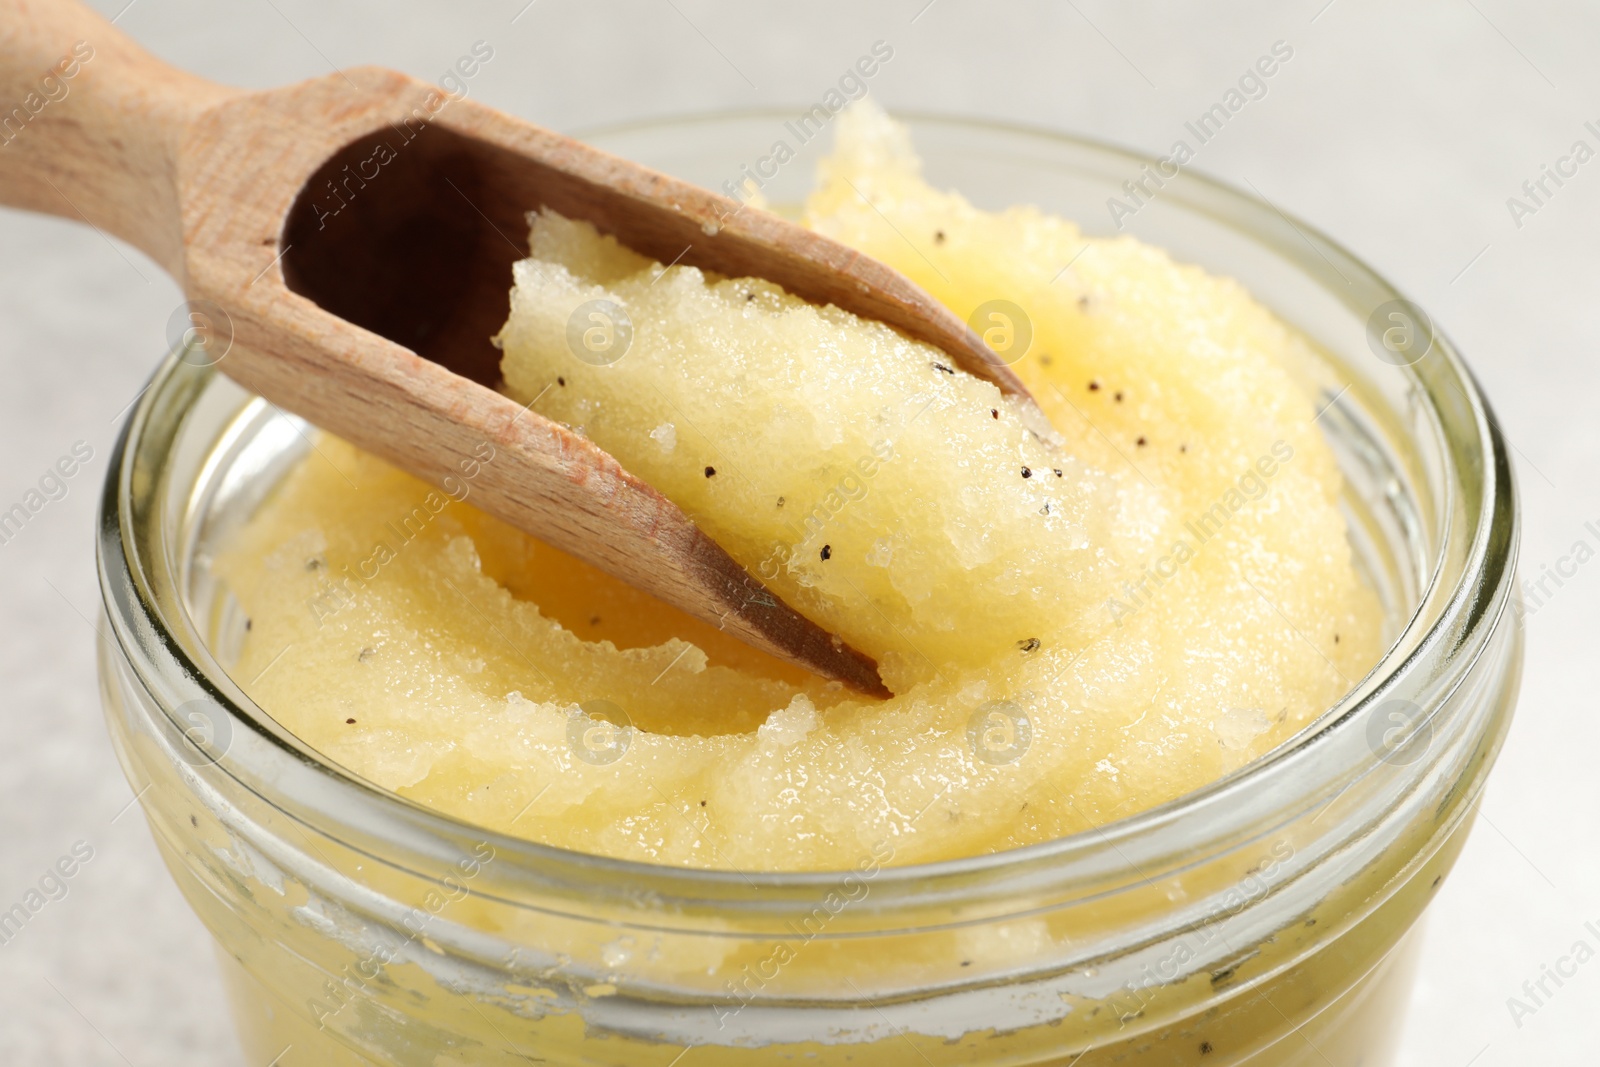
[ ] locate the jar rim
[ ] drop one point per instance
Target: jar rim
(1468, 595)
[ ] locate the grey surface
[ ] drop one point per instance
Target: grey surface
(1400, 128)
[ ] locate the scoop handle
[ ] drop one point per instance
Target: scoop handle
(90, 124)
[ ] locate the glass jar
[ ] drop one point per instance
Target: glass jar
(1266, 919)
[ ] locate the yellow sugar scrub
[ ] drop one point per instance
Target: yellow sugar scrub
(1078, 622)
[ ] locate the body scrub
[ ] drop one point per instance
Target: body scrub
(1079, 620)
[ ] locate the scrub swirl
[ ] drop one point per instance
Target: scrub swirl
(1079, 621)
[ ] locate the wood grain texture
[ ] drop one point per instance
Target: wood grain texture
(362, 295)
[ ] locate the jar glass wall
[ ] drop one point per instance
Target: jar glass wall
(1265, 919)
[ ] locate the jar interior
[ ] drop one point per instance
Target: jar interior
(233, 448)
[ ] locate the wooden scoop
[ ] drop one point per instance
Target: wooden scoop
(356, 234)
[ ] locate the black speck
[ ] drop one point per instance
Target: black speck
(1117, 396)
(1027, 472)
(941, 367)
(248, 624)
(352, 722)
(561, 381)
(1183, 448)
(780, 501)
(711, 472)
(1141, 442)
(1094, 386)
(1045, 510)
(1056, 471)
(827, 552)
(966, 963)
(314, 563)
(749, 297)
(1336, 639)
(938, 237)
(594, 620)
(702, 803)
(194, 822)
(1205, 1048)
(365, 654)
(995, 412)
(1436, 882)
(1028, 645)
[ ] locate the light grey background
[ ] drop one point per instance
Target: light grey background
(1399, 128)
